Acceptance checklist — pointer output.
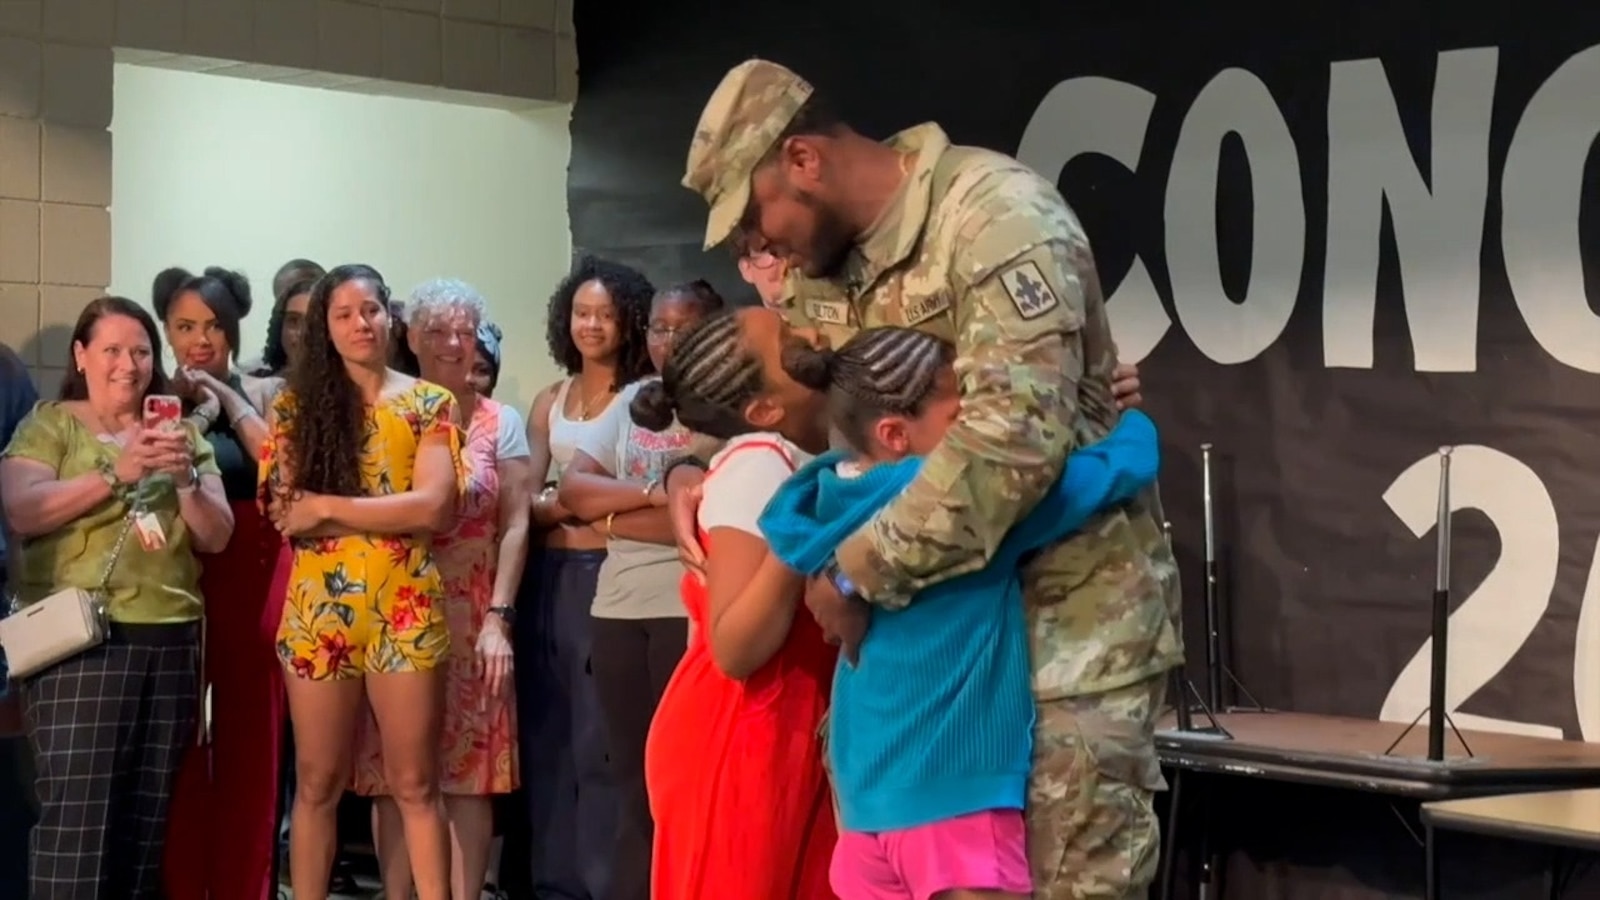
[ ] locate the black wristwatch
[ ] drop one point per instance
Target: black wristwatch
(508, 613)
(846, 587)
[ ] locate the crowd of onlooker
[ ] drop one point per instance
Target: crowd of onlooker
(278, 644)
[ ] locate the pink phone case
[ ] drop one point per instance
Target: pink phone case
(162, 412)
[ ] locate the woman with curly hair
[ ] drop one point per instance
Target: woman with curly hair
(362, 472)
(596, 332)
(640, 625)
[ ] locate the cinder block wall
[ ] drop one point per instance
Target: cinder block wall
(56, 61)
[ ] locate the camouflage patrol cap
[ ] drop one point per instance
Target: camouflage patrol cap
(754, 103)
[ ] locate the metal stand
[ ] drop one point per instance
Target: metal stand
(1437, 712)
(1185, 697)
(1183, 692)
(1218, 675)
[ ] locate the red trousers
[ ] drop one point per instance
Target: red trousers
(223, 824)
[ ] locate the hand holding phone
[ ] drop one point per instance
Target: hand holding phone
(163, 413)
(147, 451)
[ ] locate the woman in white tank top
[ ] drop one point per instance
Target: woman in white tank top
(596, 332)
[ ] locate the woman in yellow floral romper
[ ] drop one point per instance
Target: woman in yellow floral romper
(363, 469)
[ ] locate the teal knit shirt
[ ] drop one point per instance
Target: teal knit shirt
(936, 718)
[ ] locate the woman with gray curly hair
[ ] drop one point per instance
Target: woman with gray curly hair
(480, 560)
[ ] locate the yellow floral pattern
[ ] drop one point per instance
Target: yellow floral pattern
(478, 743)
(367, 603)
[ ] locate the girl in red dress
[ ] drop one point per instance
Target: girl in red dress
(733, 764)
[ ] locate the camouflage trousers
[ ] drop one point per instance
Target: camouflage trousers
(1093, 833)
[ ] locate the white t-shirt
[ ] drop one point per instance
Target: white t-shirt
(511, 441)
(743, 481)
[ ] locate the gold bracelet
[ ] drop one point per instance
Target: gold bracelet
(610, 518)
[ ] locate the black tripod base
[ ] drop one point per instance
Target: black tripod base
(1187, 703)
(1207, 732)
(1437, 723)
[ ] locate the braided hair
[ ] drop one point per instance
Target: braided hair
(709, 378)
(879, 372)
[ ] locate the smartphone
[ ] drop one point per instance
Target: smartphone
(163, 412)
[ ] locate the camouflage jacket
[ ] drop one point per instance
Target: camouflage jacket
(980, 250)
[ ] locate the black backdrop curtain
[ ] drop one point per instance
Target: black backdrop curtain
(1337, 236)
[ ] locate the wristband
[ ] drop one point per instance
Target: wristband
(666, 474)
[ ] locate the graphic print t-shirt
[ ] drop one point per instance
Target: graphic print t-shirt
(637, 580)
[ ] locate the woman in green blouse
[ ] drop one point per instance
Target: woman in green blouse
(110, 724)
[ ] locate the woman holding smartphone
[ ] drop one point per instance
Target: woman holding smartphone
(93, 496)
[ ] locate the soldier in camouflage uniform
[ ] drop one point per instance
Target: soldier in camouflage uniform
(973, 246)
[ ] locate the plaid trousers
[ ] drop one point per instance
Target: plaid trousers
(108, 728)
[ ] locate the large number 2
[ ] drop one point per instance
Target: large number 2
(1586, 655)
(1489, 627)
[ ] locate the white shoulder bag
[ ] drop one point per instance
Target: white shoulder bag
(62, 625)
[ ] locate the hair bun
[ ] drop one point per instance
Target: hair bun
(652, 408)
(165, 286)
(237, 284)
(810, 366)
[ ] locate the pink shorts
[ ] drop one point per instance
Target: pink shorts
(979, 851)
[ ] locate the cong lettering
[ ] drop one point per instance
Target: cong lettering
(1438, 221)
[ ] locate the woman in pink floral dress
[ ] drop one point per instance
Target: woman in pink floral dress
(481, 560)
